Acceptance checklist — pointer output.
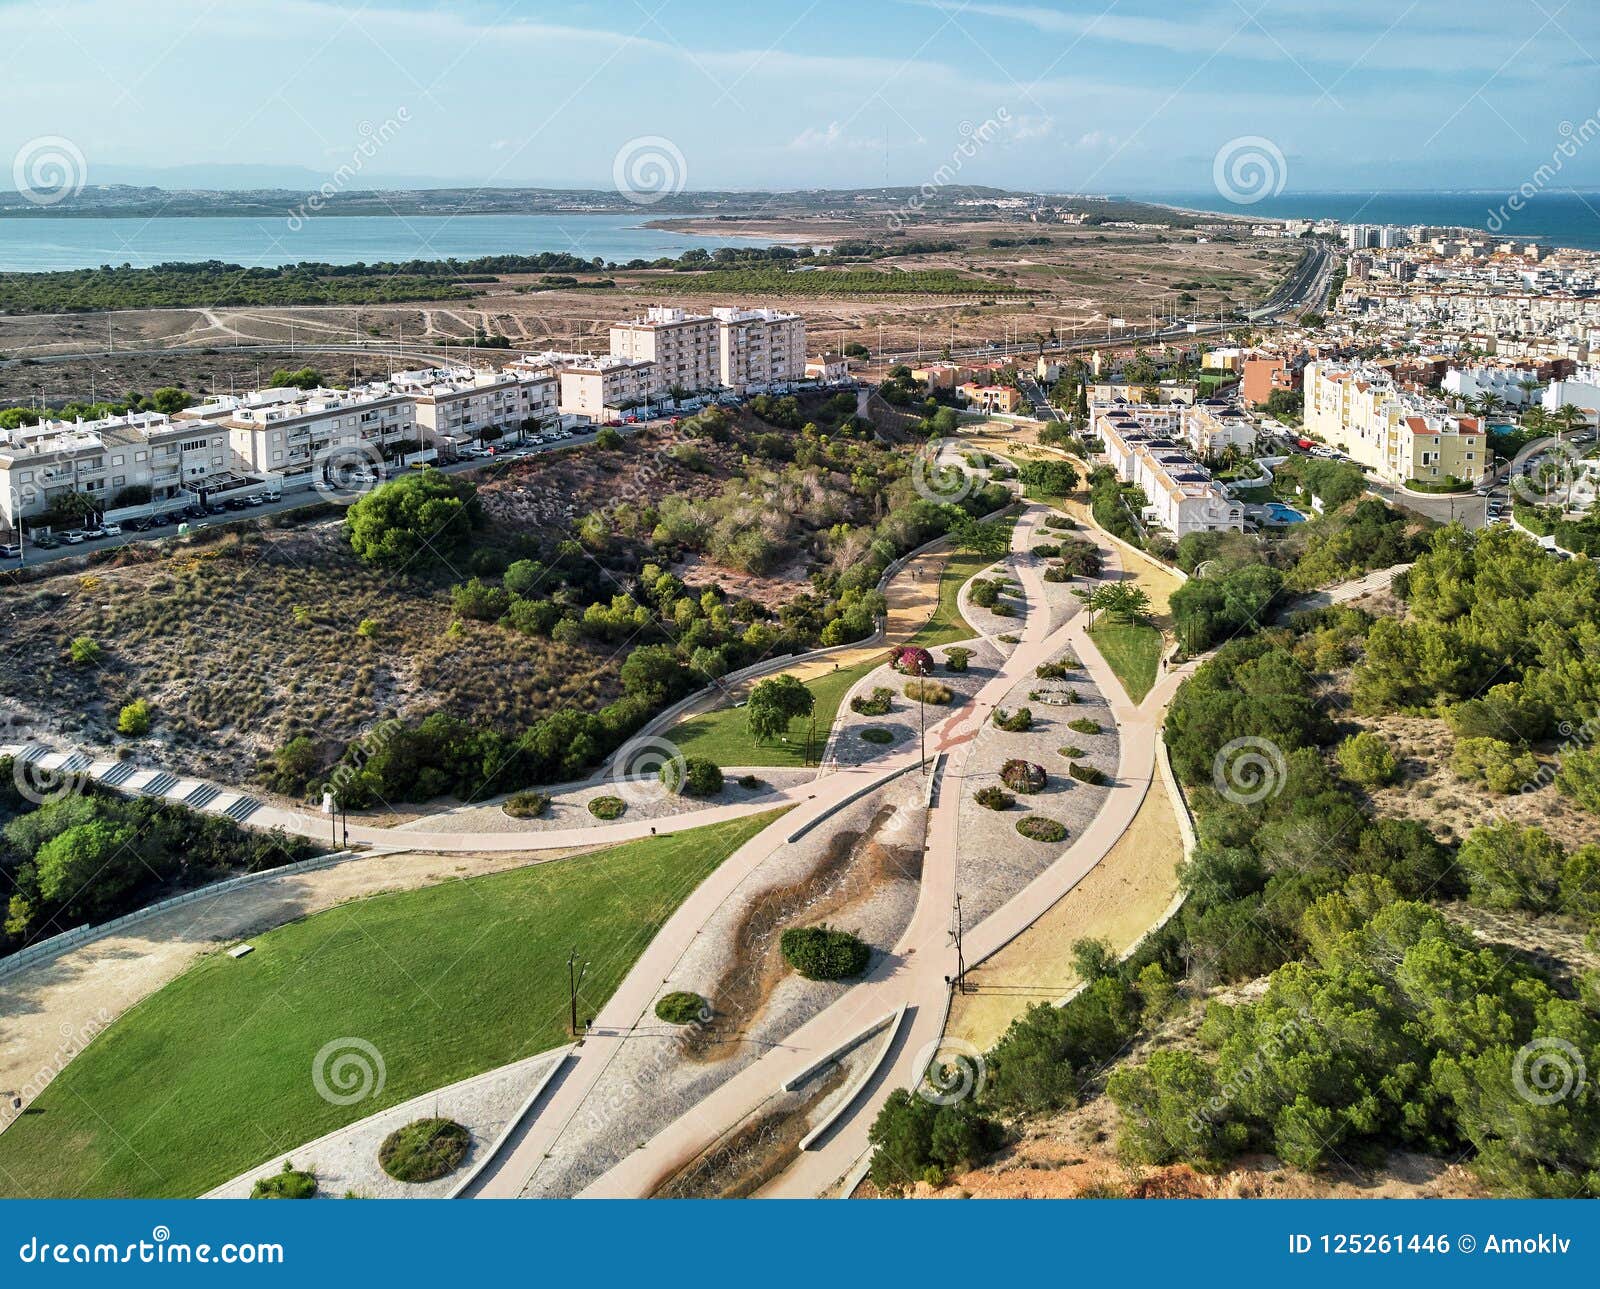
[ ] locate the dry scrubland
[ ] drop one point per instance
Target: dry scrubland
(237, 642)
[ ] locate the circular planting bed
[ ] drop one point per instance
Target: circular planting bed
(682, 1008)
(877, 734)
(424, 1150)
(608, 807)
(1038, 828)
(526, 805)
(1023, 776)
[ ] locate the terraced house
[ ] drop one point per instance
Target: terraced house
(116, 462)
(1142, 446)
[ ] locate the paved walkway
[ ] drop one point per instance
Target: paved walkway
(916, 970)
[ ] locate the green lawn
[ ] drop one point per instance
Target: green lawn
(724, 736)
(213, 1074)
(946, 626)
(1133, 651)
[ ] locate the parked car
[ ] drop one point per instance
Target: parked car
(111, 530)
(10, 551)
(45, 541)
(73, 537)
(256, 500)
(94, 531)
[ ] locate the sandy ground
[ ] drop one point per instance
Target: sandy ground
(50, 1011)
(1118, 900)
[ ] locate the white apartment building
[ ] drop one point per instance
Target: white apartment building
(41, 465)
(461, 405)
(1583, 391)
(1215, 424)
(597, 386)
(1181, 496)
(1398, 435)
(1509, 384)
(683, 346)
(759, 350)
(290, 434)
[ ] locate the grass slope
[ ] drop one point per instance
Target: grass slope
(1133, 651)
(213, 1074)
(724, 735)
(946, 626)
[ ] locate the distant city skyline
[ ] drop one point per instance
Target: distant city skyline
(1137, 97)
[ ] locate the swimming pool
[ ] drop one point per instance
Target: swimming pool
(1278, 513)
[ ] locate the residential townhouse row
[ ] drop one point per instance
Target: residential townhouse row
(1144, 444)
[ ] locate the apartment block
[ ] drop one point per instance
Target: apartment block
(1140, 444)
(461, 405)
(289, 434)
(596, 386)
(759, 350)
(1398, 434)
(683, 346)
(41, 465)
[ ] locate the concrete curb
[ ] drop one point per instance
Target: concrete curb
(859, 1083)
(563, 1054)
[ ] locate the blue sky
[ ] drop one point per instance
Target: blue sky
(1128, 96)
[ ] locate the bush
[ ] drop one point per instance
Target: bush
(1060, 521)
(1056, 670)
(877, 734)
(291, 1183)
(750, 782)
(1088, 774)
(694, 776)
(1069, 751)
(914, 1138)
(1013, 722)
(134, 719)
(418, 519)
(994, 798)
(682, 1008)
(1023, 776)
(424, 1150)
(526, 805)
(984, 593)
(1366, 758)
(824, 953)
(956, 657)
(928, 691)
(1038, 828)
(608, 440)
(911, 660)
(1502, 767)
(1579, 777)
(877, 703)
(85, 651)
(1083, 725)
(608, 807)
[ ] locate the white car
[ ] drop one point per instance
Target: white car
(72, 538)
(112, 530)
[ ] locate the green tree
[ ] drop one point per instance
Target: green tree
(419, 519)
(1368, 759)
(134, 718)
(774, 703)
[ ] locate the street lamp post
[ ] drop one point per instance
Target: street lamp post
(575, 974)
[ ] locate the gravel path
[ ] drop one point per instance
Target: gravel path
(847, 747)
(654, 1080)
(996, 861)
